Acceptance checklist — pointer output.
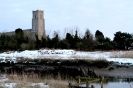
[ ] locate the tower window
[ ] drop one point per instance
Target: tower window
(35, 16)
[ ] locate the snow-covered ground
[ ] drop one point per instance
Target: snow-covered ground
(30, 85)
(61, 54)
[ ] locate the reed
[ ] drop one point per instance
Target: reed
(122, 54)
(26, 80)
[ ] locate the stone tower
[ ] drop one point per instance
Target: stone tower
(38, 24)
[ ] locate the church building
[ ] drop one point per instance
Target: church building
(38, 27)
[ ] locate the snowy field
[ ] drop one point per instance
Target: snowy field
(65, 54)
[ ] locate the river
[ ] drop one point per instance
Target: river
(113, 83)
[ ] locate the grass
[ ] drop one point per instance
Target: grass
(25, 81)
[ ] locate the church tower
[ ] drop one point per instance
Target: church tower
(38, 24)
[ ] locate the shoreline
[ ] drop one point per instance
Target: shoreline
(66, 68)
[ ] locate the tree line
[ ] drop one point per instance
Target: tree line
(89, 42)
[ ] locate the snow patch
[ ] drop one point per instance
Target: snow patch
(13, 56)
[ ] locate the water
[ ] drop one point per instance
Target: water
(113, 83)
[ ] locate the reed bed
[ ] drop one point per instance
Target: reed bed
(27, 81)
(122, 54)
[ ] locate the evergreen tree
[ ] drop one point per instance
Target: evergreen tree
(19, 35)
(55, 40)
(99, 36)
(99, 39)
(88, 41)
(108, 44)
(69, 39)
(122, 40)
(76, 41)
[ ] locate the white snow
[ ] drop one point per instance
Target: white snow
(31, 85)
(61, 54)
(3, 78)
(9, 85)
(40, 85)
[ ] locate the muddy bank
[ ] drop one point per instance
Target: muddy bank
(122, 72)
(53, 68)
(67, 68)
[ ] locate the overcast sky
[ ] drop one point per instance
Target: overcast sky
(108, 16)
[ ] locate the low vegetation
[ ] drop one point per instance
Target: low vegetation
(65, 68)
(121, 41)
(54, 73)
(34, 80)
(121, 54)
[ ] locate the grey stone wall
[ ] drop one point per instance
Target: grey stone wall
(27, 33)
(38, 23)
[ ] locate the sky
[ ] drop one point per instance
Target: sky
(108, 16)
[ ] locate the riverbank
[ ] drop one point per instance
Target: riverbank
(68, 68)
(59, 73)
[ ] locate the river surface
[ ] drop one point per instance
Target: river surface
(113, 83)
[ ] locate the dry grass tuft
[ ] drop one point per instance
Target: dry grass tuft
(53, 83)
(26, 80)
